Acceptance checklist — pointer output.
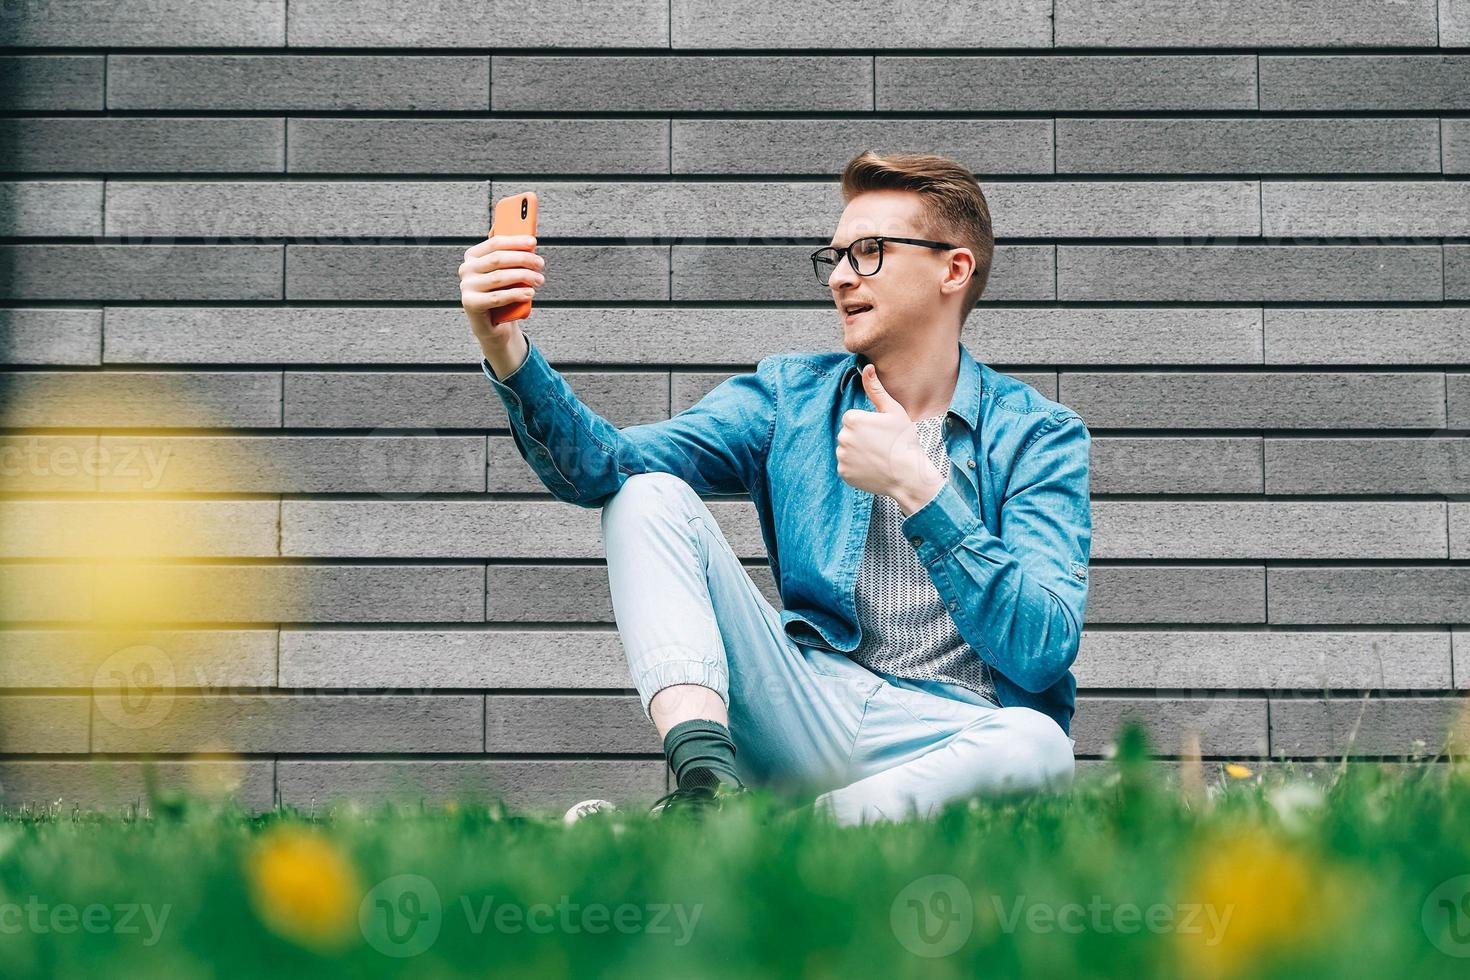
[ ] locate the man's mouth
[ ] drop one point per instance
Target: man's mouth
(853, 312)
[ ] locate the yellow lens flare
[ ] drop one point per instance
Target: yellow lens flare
(140, 567)
(126, 529)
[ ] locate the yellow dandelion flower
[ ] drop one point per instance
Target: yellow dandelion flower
(1256, 896)
(304, 888)
(1237, 771)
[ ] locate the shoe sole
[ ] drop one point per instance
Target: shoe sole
(587, 807)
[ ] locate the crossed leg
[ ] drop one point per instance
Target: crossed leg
(805, 721)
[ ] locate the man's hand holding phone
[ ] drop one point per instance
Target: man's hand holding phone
(500, 271)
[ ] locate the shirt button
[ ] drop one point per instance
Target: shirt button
(971, 464)
(540, 452)
(953, 605)
(917, 540)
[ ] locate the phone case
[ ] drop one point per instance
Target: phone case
(514, 215)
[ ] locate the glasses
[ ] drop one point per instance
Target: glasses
(865, 255)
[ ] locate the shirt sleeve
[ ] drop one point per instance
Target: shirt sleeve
(1019, 598)
(717, 445)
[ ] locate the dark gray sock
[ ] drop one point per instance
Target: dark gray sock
(700, 751)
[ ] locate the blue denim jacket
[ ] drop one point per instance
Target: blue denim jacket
(1006, 541)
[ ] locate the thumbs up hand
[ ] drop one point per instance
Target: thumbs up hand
(881, 399)
(879, 451)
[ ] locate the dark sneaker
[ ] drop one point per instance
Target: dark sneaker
(694, 800)
(699, 794)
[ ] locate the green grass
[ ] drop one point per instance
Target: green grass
(1285, 877)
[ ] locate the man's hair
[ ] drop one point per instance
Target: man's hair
(954, 208)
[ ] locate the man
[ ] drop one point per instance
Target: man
(926, 519)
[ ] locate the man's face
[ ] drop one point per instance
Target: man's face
(905, 296)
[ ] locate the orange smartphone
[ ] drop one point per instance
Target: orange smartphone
(514, 215)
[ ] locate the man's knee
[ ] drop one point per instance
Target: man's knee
(644, 495)
(1038, 752)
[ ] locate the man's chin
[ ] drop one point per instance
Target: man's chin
(857, 340)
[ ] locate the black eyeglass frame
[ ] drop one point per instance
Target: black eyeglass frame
(838, 253)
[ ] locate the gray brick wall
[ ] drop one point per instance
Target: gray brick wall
(262, 517)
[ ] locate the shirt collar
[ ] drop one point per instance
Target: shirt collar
(966, 399)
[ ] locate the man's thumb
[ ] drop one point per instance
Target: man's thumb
(882, 401)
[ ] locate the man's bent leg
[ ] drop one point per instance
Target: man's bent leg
(693, 624)
(920, 751)
(660, 598)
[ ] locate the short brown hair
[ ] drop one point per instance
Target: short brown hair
(954, 206)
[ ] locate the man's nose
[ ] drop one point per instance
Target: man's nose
(842, 274)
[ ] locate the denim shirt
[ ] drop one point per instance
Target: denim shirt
(1006, 541)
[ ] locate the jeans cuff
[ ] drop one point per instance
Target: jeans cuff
(667, 673)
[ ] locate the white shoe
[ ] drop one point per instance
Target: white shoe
(579, 810)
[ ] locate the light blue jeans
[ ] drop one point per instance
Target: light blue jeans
(806, 722)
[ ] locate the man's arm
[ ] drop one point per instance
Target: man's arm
(1018, 599)
(718, 445)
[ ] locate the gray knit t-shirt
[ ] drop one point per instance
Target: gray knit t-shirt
(907, 631)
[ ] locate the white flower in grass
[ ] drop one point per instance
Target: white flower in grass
(1297, 805)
